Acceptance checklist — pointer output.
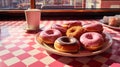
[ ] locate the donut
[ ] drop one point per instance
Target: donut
(75, 31)
(93, 27)
(70, 24)
(91, 41)
(49, 36)
(113, 21)
(67, 44)
(60, 28)
(118, 20)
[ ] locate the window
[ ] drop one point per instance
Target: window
(14, 4)
(59, 4)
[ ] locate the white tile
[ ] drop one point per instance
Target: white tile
(5, 40)
(23, 46)
(34, 52)
(42, 25)
(29, 60)
(47, 52)
(47, 60)
(31, 36)
(36, 46)
(3, 52)
(18, 52)
(27, 41)
(11, 61)
(0, 60)
(0, 43)
(10, 46)
(15, 41)
(19, 36)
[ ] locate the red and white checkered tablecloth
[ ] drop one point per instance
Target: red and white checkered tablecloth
(18, 48)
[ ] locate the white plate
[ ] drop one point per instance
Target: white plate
(112, 27)
(81, 53)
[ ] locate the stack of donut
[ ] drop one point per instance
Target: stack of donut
(71, 36)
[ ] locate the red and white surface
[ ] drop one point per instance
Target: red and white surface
(18, 49)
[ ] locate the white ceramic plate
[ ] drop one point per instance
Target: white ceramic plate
(81, 53)
(112, 27)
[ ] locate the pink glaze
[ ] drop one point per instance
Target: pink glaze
(50, 35)
(91, 38)
(60, 28)
(115, 65)
(96, 27)
(70, 24)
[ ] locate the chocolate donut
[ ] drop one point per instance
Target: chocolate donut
(67, 44)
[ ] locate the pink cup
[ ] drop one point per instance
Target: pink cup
(33, 17)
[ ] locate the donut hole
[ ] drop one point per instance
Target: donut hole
(49, 32)
(72, 30)
(66, 40)
(89, 36)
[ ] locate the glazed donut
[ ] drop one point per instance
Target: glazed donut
(67, 44)
(70, 24)
(91, 40)
(49, 36)
(75, 31)
(60, 28)
(93, 27)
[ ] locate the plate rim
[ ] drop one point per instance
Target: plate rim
(54, 51)
(112, 27)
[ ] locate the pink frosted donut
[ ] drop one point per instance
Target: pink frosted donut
(93, 27)
(49, 36)
(60, 28)
(91, 40)
(70, 24)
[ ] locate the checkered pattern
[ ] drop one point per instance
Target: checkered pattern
(18, 48)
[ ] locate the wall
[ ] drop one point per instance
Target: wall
(110, 4)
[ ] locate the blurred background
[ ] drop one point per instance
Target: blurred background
(59, 4)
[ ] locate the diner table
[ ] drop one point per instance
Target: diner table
(19, 49)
